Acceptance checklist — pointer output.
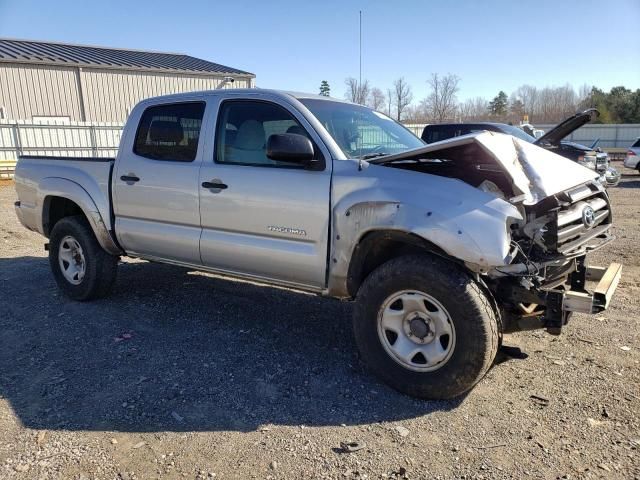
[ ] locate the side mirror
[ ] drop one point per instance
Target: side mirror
(290, 147)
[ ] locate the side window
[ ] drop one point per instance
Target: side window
(244, 128)
(170, 132)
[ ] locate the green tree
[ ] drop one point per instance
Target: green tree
(325, 89)
(620, 105)
(624, 105)
(498, 106)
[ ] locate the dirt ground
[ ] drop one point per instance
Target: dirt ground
(183, 375)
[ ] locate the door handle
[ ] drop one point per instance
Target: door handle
(218, 186)
(129, 178)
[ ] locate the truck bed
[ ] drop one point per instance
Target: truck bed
(37, 177)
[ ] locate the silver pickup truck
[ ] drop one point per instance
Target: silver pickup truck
(444, 247)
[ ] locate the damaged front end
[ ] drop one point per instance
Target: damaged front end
(565, 213)
(547, 279)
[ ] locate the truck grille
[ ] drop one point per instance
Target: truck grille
(587, 217)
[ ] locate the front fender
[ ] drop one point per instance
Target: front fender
(61, 187)
(462, 221)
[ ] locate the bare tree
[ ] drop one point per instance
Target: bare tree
(584, 92)
(556, 103)
(377, 99)
(389, 101)
(413, 114)
(474, 109)
(530, 97)
(402, 96)
(441, 103)
(584, 96)
(356, 93)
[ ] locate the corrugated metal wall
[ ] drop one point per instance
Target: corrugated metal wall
(28, 91)
(110, 95)
(609, 135)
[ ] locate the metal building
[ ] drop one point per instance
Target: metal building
(42, 81)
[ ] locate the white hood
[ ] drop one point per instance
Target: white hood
(535, 172)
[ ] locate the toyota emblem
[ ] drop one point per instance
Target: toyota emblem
(588, 217)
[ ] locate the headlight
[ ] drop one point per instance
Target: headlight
(612, 176)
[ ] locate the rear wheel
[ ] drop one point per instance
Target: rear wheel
(81, 268)
(425, 327)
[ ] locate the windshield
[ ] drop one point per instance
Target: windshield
(519, 133)
(361, 132)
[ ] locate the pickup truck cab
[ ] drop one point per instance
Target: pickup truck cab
(444, 247)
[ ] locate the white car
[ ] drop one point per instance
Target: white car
(632, 160)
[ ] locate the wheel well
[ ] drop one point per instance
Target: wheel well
(55, 209)
(378, 247)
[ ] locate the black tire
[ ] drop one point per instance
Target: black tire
(100, 267)
(469, 309)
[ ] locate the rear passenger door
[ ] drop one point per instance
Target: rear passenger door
(155, 183)
(264, 218)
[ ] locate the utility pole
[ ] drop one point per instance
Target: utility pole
(360, 77)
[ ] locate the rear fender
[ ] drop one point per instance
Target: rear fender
(60, 187)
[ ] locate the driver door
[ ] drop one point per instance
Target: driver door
(263, 218)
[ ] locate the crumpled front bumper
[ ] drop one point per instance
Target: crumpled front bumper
(562, 303)
(552, 308)
(598, 300)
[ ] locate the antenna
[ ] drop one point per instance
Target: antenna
(360, 78)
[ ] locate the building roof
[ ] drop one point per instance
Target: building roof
(61, 54)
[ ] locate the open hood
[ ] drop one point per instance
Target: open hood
(532, 172)
(566, 127)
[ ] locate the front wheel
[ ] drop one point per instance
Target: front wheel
(425, 327)
(81, 268)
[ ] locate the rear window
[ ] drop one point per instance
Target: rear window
(437, 133)
(637, 144)
(170, 132)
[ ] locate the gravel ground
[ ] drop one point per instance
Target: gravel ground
(180, 374)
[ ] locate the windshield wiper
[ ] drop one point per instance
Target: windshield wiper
(373, 155)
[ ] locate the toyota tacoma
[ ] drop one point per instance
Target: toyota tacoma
(443, 247)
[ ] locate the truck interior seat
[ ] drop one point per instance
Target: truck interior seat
(249, 146)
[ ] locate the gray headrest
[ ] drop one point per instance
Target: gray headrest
(297, 129)
(251, 136)
(166, 131)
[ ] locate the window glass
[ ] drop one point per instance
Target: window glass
(435, 133)
(170, 132)
(517, 132)
(244, 128)
(360, 131)
(637, 144)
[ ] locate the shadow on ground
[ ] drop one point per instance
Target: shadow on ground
(181, 351)
(629, 183)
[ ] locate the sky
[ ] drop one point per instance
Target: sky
(491, 45)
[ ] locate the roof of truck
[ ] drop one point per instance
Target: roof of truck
(226, 91)
(66, 54)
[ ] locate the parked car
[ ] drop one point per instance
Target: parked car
(443, 247)
(590, 157)
(632, 159)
